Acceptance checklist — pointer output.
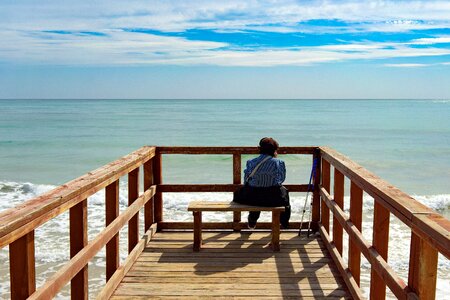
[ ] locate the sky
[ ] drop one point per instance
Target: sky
(225, 49)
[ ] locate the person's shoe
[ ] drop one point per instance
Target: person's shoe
(251, 225)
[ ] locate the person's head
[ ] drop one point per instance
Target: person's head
(268, 146)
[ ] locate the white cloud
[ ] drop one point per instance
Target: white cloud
(407, 65)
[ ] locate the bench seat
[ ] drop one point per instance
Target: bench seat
(197, 207)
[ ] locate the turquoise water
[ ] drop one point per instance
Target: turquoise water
(44, 143)
(407, 142)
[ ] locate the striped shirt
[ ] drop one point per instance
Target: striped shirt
(271, 173)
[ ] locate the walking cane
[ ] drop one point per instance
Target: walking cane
(313, 172)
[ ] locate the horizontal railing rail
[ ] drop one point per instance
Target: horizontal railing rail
(430, 232)
(17, 225)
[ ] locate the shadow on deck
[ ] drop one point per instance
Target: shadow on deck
(233, 265)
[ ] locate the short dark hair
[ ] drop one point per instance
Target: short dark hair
(268, 146)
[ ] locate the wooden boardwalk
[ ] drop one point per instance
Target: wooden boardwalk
(233, 265)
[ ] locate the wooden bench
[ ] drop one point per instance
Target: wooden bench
(197, 207)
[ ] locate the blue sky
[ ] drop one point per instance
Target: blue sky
(225, 49)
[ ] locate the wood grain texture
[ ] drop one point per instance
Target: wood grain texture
(219, 271)
(380, 243)
(339, 199)
(158, 180)
(27, 216)
(22, 267)
(228, 206)
(78, 240)
(325, 213)
(231, 150)
(133, 194)
(148, 182)
(112, 212)
(425, 222)
(356, 209)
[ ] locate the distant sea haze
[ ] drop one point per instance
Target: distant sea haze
(44, 143)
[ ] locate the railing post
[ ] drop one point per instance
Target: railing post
(157, 179)
(112, 212)
(148, 182)
(423, 262)
(78, 240)
(133, 194)
(315, 217)
(380, 242)
(338, 191)
(354, 254)
(236, 180)
(325, 212)
(22, 267)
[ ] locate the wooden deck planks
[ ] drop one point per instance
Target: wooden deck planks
(236, 265)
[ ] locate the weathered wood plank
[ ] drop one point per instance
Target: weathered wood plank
(393, 281)
(78, 240)
(435, 230)
(117, 277)
(158, 180)
(422, 268)
(356, 209)
(231, 150)
(112, 212)
(197, 230)
(339, 200)
(236, 180)
(51, 287)
(380, 242)
(197, 188)
(22, 267)
(133, 194)
(225, 225)
(315, 216)
(325, 213)
(148, 182)
(27, 216)
(228, 206)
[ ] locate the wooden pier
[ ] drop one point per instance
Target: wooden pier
(233, 263)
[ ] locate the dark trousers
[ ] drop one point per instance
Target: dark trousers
(253, 216)
(270, 196)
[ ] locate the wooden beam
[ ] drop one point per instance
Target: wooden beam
(22, 267)
(148, 182)
(422, 268)
(120, 273)
(157, 180)
(197, 230)
(356, 208)
(433, 229)
(393, 281)
(350, 281)
(196, 188)
(112, 212)
(380, 242)
(223, 225)
(79, 288)
(339, 199)
(133, 194)
(20, 220)
(276, 230)
(58, 280)
(315, 218)
(236, 180)
(231, 150)
(325, 212)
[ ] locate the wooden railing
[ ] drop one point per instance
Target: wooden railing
(430, 232)
(17, 225)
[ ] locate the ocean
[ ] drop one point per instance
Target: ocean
(45, 143)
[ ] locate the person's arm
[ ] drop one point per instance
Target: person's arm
(247, 171)
(281, 173)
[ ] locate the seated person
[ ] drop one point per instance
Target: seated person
(265, 175)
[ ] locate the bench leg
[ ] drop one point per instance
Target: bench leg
(197, 230)
(276, 230)
(236, 221)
